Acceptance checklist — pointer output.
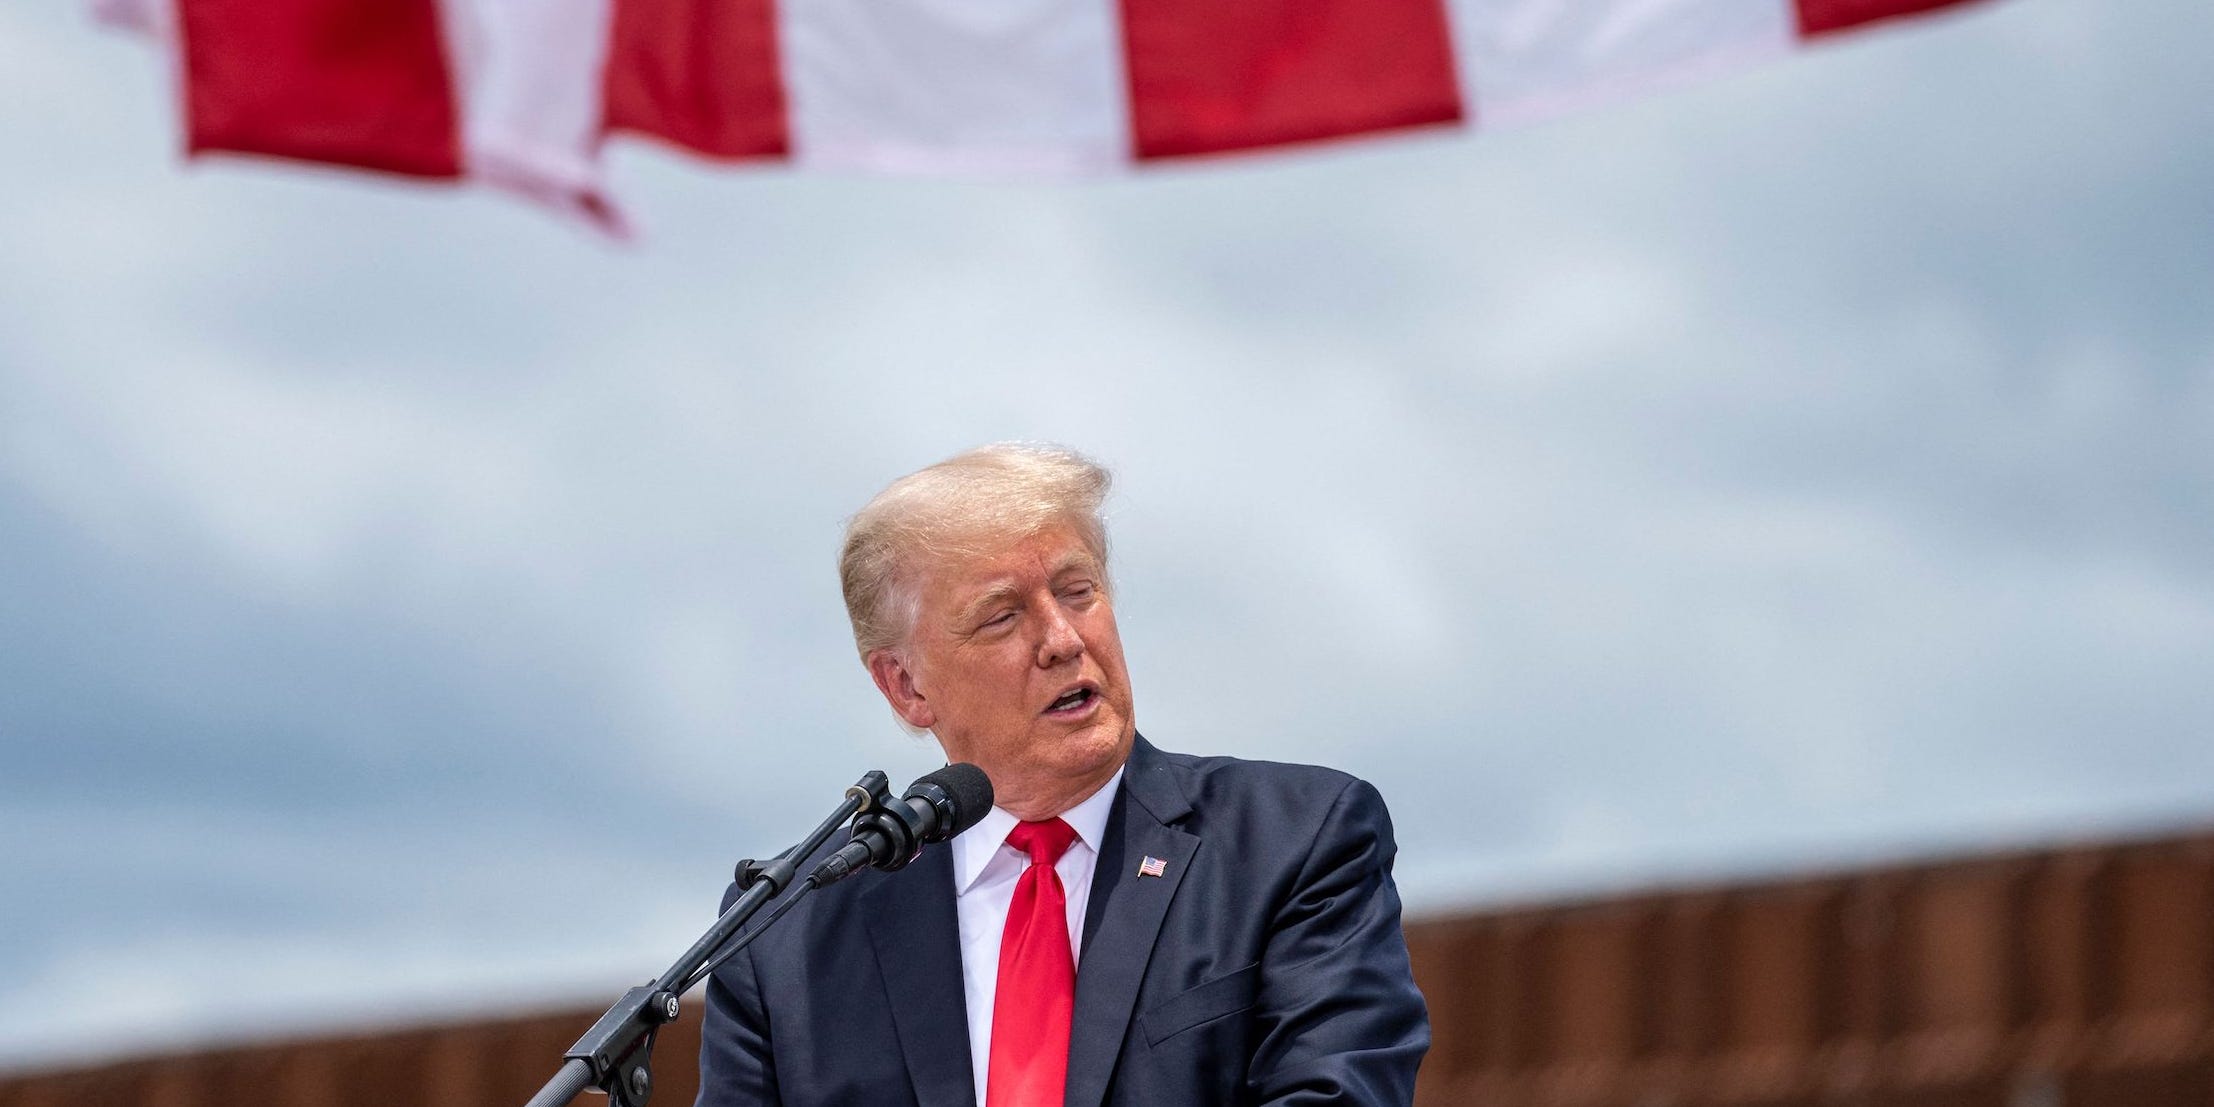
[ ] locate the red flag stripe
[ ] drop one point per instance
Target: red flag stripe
(1821, 17)
(703, 74)
(354, 82)
(1214, 75)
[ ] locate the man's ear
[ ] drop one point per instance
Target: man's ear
(897, 682)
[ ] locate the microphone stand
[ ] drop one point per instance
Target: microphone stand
(616, 1055)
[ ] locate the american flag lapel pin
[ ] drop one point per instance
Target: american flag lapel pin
(1152, 866)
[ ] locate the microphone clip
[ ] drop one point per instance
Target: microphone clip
(873, 792)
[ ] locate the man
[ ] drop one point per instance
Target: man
(1127, 926)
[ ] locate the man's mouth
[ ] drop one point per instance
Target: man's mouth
(1071, 701)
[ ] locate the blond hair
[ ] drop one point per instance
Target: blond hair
(968, 504)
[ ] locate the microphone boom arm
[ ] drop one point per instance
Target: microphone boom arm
(616, 1054)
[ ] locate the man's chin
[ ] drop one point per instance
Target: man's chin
(1101, 744)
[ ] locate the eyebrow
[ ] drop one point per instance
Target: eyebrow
(991, 597)
(1076, 560)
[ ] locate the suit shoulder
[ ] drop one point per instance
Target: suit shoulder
(1289, 788)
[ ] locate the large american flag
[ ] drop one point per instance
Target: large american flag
(524, 93)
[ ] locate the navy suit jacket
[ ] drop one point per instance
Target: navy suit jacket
(1265, 966)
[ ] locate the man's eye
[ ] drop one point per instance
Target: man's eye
(1001, 619)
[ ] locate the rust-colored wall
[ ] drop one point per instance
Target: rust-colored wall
(2072, 978)
(482, 1064)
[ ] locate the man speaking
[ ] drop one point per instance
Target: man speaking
(1127, 926)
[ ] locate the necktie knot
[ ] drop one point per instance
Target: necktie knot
(1045, 842)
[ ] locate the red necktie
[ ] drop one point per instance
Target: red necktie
(1037, 979)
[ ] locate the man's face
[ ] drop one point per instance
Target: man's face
(1015, 664)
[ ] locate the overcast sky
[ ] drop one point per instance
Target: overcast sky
(410, 605)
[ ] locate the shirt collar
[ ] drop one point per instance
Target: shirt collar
(975, 847)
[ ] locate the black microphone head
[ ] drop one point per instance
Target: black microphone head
(960, 794)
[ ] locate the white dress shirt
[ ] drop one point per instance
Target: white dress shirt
(985, 869)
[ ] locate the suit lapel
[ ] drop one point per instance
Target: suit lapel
(917, 935)
(1124, 916)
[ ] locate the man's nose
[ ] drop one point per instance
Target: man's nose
(1061, 643)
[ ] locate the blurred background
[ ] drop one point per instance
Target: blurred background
(1745, 492)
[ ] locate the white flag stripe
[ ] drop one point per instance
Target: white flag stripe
(1531, 59)
(529, 80)
(154, 18)
(1031, 87)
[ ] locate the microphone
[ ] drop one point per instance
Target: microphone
(935, 807)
